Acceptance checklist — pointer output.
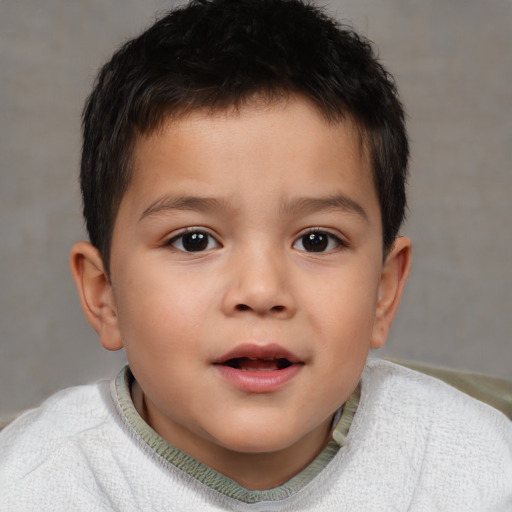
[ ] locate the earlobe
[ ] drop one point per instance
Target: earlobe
(95, 293)
(392, 282)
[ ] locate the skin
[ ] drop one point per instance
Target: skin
(261, 179)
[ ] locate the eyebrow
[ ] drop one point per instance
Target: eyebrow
(314, 204)
(170, 203)
(288, 207)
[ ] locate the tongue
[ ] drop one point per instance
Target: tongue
(245, 363)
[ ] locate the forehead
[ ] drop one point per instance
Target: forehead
(286, 143)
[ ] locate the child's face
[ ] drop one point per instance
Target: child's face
(247, 278)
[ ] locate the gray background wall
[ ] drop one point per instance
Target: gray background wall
(452, 60)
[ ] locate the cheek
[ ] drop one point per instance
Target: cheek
(344, 307)
(160, 307)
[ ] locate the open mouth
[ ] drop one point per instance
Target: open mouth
(254, 364)
(253, 357)
(255, 368)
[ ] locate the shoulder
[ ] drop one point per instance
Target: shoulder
(420, 392)
(64, 412)
(389, 389)
(45, 442)
(453, 444)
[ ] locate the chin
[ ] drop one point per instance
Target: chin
(257, 441)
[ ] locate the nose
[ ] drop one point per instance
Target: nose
(259, 283)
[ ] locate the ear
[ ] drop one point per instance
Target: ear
(95, 293)
(392, 281)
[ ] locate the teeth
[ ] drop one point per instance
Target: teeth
(258, 364)
(272, 364)
(258, 369)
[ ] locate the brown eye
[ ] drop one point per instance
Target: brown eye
(317, 241)
(194, 241)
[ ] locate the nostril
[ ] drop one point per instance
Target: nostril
(245, 307)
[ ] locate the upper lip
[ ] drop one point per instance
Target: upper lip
(268, 351)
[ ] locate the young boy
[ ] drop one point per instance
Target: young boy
(243, 177)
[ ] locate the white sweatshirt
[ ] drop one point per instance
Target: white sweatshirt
(414, 444)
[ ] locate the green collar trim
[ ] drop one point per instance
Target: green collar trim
(218, 481)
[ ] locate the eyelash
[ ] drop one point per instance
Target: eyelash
(203, 241)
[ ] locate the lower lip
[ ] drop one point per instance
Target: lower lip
(261, 381)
